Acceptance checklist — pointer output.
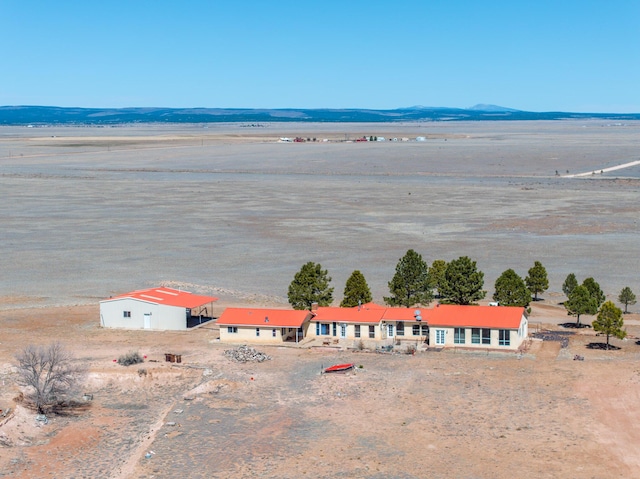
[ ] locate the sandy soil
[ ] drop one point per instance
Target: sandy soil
(436, 414)
(228, 211)
(92, 212)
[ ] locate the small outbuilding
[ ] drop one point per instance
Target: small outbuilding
(156, 308)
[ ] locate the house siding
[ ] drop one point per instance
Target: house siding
(350, 330)
(517, 337)
(162, 317)
(247, 334)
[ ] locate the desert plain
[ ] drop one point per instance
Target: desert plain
(228, 210)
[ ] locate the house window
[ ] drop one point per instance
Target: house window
(504, 337)
(273, 333)
(486, 336)
(400, 329)
(372, 332)
(126, 314)
(232, 329)
(475, 335)
(324, 329)
(257, 331)
(357, 330)
(458, 335)
(420, 330)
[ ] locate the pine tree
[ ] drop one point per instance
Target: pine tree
(627, 297)
(462, 282)
(511, 290)
(569, 284)
(594, 290)
(580, 302)
(356, 291)
(610, 322)
(310, 285)
(436, 274)
(410, 285)
(537, 280)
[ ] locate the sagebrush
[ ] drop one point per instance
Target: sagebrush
(130, 358)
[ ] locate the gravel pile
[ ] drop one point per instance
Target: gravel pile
(561, 336)
(243, 354)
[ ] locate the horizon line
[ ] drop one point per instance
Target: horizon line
(475, 108)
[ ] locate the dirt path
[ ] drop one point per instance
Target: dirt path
(604, 170)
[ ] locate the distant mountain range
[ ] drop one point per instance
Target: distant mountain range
(46, 115)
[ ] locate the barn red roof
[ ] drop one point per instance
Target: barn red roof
(280, 318)
(496, 317)
(168, 296)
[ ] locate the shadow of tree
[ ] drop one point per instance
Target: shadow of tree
(68, 408)
(602, 346)
(574, 325)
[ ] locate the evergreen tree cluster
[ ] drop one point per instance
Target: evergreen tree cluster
(460, 282)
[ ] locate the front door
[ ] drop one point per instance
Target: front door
(343, 330)
(390, 330)
(147, 320)
(440, 337)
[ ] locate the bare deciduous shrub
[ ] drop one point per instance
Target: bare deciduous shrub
(132, 357)
(50, 375)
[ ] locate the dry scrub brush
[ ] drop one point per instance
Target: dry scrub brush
(50, 375)
(130, 358)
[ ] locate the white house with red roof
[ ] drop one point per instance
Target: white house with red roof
(371, 326)
(156, 308)
(485, 327)
(263, 325)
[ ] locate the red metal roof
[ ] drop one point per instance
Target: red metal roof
(495, 317)
(262, 317)
(405, 314)
(371, 305)
(503, 317)
(168, 296)
(370, 313)
(348, 315)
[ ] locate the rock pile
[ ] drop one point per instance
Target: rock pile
(561, 336)
(243, 354)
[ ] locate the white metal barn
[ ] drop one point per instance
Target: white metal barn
(156, 308)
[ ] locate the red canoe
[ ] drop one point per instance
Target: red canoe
(339, 368)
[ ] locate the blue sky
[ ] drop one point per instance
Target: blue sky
(544, 55)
